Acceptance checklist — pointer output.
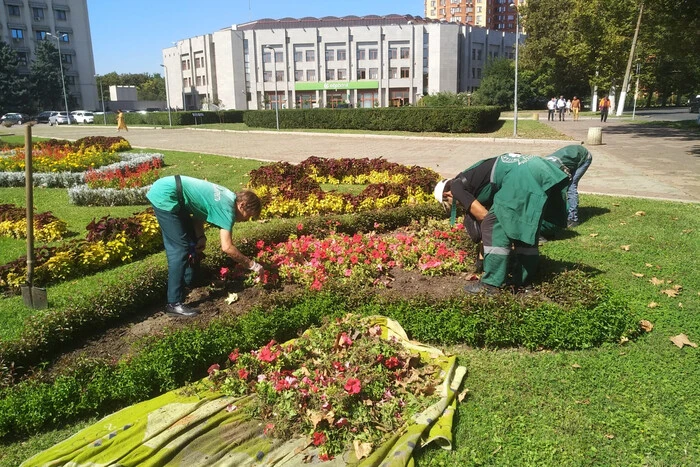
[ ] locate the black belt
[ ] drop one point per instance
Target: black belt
(178, 189)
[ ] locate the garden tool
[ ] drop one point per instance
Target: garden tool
(33, 297)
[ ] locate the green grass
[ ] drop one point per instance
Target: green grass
(636, 403)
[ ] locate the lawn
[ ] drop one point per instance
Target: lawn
(636, 403)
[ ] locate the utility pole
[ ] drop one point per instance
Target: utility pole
(625, 84)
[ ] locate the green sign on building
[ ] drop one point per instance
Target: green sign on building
(336, 85)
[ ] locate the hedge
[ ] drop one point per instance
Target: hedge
(415, 119)
(178, 118)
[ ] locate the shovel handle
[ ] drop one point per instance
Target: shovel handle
(29, 185)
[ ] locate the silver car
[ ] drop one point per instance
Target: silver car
(60, 118)
(83, 116)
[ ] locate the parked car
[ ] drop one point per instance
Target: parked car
(83, 116)
(14, 118)
(60, 118)
(43, 117)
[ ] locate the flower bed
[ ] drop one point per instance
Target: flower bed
(13, 223)
(295, 190)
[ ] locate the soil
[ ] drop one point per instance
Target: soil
(118, 342)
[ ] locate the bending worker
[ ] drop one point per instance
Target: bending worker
(182, 205)
(574, 160)
(509, 196)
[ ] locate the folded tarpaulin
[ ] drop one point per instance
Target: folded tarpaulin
(199, 426)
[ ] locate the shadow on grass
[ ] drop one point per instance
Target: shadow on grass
(549, 268)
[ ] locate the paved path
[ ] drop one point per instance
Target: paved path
(633, 161)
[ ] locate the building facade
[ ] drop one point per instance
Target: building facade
(491, 14)
(24, 23)
(371, 61)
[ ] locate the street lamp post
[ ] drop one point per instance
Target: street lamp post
(60, 63)
(277, 103)
(167, 95)
(102, 98)
(515, 96)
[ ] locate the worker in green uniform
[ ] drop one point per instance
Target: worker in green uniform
(182, 205)
(509, 195)
(574, 160)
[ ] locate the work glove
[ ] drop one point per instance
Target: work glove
(257, 268)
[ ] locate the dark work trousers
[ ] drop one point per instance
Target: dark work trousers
(550, 115)
(497, 250)
(178, 236)
(562, 114)
(604, 115)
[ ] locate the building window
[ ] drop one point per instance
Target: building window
(405, 71)
(279, 75)
(341, 55)
(405, 52)
(267, 76)
(330, 55)
(267, 57)
(342, 73)
(298, 56)
(40, 35)
(360, 54)
(373, 73)
(299, 75)
(22, 58)
(279, 57)
(67, 58)
(17, 34)
(13, 10)
(361, 73)
(199, 78)
(38, 14)
(63, 36)
(310, 55)
(186, 64)
(367, 99)
(398, 97)
(330, 74)
(392, 72)
(310, 75)
(392, 53)
(199, 62)
(61, 15)
(373, 54)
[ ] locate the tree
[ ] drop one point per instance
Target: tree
(45, 77)
(14, 88)
(153, 89)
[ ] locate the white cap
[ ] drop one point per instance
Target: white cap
(439, 188)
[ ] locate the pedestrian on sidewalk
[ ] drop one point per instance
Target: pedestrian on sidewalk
(575, 107)
(561, 108)
(182, 205)
(604, 107)
(551, 107)
(506, 198)
(121, 123)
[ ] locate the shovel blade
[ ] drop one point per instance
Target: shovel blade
(34, 297)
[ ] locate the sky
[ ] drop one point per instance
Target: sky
(128, 36)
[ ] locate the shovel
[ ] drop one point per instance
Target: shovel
(33, 297)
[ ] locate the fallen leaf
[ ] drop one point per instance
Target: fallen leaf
(681, 339)
(674, 218)
(232, 298)
(625, 247)
(648, 265)
(656, 281)
(623, 223)
(593, 235)
(610, 436)
(584, 401)
(670, 292)
(640, 213)
(686, 231)
(616, 204)
(362, 450)
(624, 340)
(576, 366)
(646, 326)
(636, 274)
(680, 305)
(653, 305)
(315, 417)
(462, 395)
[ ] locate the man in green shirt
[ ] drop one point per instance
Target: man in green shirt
(182, 205)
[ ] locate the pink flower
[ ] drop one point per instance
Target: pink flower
(348, 272)
(345, 340)
(213, 368)
(260, 244)
(233, 356)
(353, 386)
(261, 378)
(338, 366)
(222, 273)
(268, 428)
(342, 421)
(300, 226)
(319, 438)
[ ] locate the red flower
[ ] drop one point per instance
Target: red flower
(243, 373)
(213, 368)
(391, 362)
(319, 438)
(260, 244)
(233, 356)
(344, 340)
(353, 386)
(325, 457)
(268, 428)
(222, 273)
(300, 226)
(267, 355)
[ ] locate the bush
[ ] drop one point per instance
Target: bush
(416, 119)
(178, 118)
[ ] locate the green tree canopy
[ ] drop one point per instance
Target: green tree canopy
(14, 88)
(45, 77)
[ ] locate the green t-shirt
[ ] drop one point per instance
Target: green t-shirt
(206, 201)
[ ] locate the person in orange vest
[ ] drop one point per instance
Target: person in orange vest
(604, 107)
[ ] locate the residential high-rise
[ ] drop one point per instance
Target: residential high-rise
(24, 23)
(491, 14)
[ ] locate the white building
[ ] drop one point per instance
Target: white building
(318, 62)
(23, 23)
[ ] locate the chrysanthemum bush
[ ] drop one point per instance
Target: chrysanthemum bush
(295, 190)
(433, 247)
(47, 227)
(339, 385)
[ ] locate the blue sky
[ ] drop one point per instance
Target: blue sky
(129, 35)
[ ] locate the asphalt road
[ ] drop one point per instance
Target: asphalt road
(634, 159)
